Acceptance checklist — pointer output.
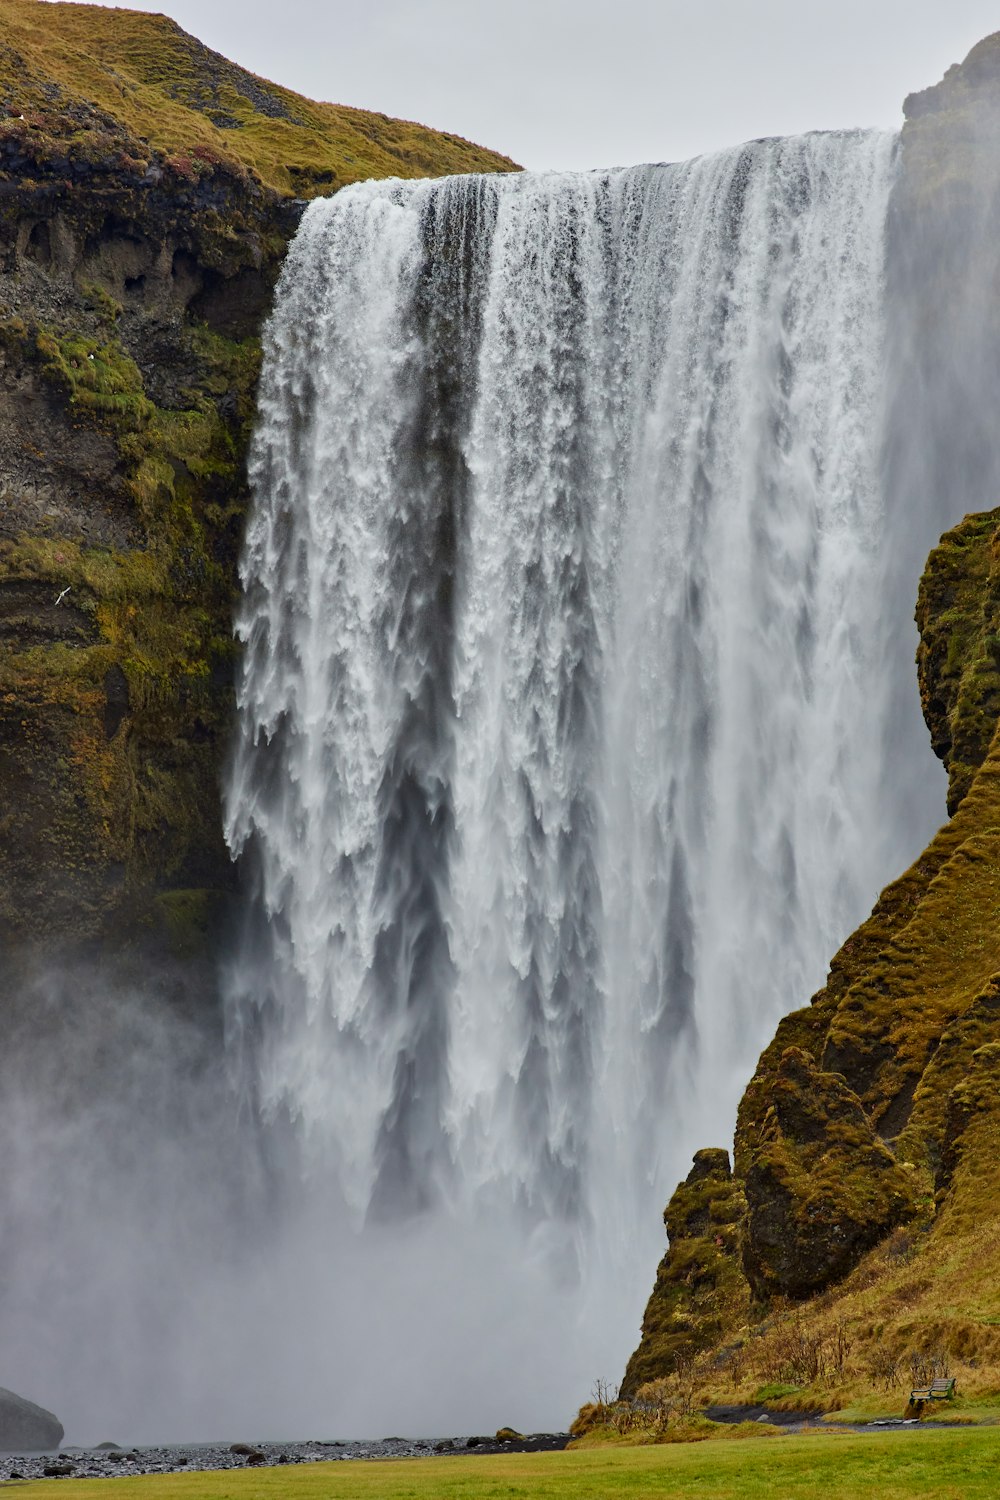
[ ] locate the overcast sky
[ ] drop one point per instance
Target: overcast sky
(586, 83)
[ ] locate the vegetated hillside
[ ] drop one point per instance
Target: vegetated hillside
(853, 1249)
(145, 208)
(78, 82)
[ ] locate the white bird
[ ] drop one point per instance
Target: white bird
(61, 597)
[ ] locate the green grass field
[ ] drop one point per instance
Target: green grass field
(949, 1465)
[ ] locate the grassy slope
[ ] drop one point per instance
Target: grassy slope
(83, 75)
(953, 1465)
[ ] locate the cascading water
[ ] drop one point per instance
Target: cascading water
(578, 725)
(568, 594)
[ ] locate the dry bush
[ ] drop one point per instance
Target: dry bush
(840, 1348)
(668, 1401)
(734, 1361)
(625, 1418)
(882, 1368)
(604, 1393)
(649, 1411)
(676, 1395)
(927, 1365)
(901, 1243)
(598, 1410)
(792, 1355)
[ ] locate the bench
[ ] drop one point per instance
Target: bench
(938, 1390)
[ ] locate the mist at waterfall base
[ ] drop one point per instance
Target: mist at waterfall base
(571, 744)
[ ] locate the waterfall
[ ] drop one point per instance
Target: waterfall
(568, 594)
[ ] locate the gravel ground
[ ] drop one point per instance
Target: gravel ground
(802, 1421)
(89, 1463)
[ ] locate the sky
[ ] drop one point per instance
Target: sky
(593, 83)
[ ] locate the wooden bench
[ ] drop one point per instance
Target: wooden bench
(938, 1390)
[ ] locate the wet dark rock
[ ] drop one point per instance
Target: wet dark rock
(58, 1471)
(25, 1427)
(116, 700)
(533, 1442)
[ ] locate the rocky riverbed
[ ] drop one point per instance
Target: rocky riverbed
(108, 1461)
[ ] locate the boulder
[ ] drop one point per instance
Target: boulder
(25, 1427)
(821, 1188)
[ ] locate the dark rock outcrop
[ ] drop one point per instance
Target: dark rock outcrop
(25, 1427)
(700, 1289)
(821, 1189)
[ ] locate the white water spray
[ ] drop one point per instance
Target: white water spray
(565, 685)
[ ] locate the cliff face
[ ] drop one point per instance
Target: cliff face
(871, 1119)
(865, 1148)
(145, 205)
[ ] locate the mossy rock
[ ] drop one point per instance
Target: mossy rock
(700, 1288)
(958, 660)
(821, 1189)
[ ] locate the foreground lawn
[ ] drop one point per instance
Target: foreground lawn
(956, 1465)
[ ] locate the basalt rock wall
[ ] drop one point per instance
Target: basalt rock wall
(128, 315)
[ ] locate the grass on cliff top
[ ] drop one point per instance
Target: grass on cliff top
(949, 1465)
(101, 80)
